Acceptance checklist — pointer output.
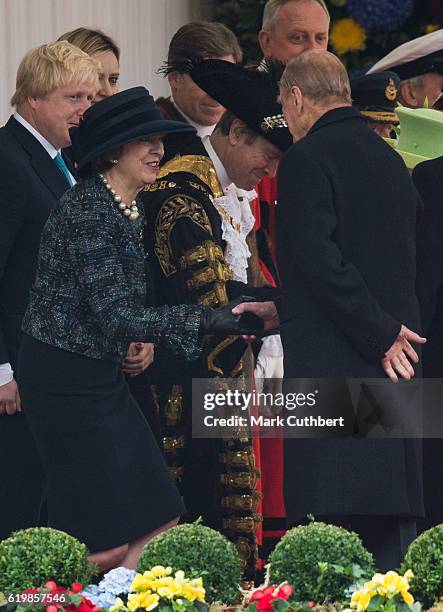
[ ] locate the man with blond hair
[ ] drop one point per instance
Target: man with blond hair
(346, 255)
(55, 85)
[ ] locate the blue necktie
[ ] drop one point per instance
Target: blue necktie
(60, 163)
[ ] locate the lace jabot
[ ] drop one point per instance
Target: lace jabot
(237, 221)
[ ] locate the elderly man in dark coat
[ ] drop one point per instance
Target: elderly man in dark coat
(346, 225)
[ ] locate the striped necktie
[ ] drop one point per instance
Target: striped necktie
(60, 163)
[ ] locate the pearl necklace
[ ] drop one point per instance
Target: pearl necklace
(129, 210)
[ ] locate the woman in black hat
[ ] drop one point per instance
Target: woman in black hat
(107, 482)
(140, 355)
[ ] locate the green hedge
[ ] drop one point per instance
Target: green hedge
(31, 557)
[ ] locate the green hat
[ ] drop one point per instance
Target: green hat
(421, 135)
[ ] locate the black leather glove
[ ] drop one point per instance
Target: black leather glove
(221, 322)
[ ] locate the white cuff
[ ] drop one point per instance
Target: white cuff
(270, 358)
(6, 373)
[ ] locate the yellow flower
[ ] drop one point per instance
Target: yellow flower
(347, 35)
(118, 605)
(407, 598)
(164, 581)
(160, 570)
(197, 583)
(179, 577)
(387, 585)
(134, 601)
(188, 593)
(142, 582)
(193, 592)
(370, 586)
(165, 592)
(360, 600)
(390, 584)
(147, 601)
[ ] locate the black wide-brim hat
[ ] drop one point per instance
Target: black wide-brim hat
(251, 95)
(124, 117)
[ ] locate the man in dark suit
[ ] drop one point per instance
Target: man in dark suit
(55, 85)
(346, 255)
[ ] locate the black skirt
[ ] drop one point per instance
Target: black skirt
(107, 481)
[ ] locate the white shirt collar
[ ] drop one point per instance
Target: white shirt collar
(222, 175)
(202, 130)
(52, 151)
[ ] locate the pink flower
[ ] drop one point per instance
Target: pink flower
(265, 597)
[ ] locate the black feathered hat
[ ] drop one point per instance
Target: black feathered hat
(375, 95)
(251, 95)
(124, 117)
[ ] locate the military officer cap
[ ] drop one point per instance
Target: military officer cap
(415, 57)
(250, 95)
(375, 95)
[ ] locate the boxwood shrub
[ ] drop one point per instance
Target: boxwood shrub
(30, 557)
(297, 556)
(198, 551)
(425, 558)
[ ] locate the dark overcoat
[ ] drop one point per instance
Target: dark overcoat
(346, 249)
(428, 179)
(30, 185)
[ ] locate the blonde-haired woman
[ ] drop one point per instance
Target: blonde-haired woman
(105, 50)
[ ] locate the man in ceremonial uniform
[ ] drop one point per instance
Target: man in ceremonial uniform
(375, 96)
(188, 102)
(198, 219)
(419, 64)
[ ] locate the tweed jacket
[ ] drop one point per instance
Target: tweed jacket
(90, 289)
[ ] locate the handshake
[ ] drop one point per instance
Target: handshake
(244, 316)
